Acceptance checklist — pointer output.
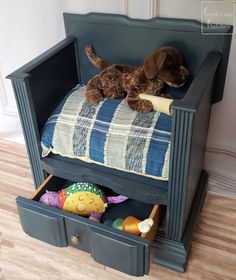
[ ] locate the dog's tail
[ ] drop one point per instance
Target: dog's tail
(95, 59)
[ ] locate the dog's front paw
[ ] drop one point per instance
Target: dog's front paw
(140, 105)
(144, 106)
(94, 97)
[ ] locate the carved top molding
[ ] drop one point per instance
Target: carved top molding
(4, 102)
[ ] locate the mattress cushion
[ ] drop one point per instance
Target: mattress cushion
(110, 134)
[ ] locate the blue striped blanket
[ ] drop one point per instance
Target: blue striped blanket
(110, 134)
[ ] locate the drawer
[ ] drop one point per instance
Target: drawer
(43, 223)
(111, 247)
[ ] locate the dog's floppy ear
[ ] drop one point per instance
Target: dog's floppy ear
(153, 63)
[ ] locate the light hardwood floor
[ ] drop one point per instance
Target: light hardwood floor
(213, 254)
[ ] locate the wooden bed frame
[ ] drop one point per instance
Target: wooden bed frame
(41, 84)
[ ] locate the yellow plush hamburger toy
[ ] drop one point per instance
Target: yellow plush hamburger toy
(84, 199)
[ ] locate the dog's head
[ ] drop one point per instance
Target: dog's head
(166, 63)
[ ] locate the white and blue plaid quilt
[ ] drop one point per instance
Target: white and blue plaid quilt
(110, 134)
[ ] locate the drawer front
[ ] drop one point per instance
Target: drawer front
(41, 224)
(115, 251)
(78, 234)
(129, 254)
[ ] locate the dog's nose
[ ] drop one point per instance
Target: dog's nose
(184, 72)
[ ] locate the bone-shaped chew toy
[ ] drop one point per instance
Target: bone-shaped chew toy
(160, 104)
(131, 224)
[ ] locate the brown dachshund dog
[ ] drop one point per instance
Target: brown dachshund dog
(164, 66)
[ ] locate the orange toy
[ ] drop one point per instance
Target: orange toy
(133, 225)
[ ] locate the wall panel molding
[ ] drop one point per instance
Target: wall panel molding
(154, 8)
(4, 102)
(141, 9)
(126, 7)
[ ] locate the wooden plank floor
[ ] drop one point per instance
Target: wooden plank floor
(213, 254)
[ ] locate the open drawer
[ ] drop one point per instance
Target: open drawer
(109, 246)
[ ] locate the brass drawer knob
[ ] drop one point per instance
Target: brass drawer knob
(75, 239)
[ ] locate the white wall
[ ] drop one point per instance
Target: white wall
(132, 8)
(86, 6)
(27, 29)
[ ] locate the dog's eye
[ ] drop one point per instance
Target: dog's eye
(170, 63)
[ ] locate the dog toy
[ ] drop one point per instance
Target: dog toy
(164, 66)
(84, 199)
(160, 104)
(131, 224)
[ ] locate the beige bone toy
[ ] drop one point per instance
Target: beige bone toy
(161, 104)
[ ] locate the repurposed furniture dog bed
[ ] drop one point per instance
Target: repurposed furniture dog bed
(40, 87)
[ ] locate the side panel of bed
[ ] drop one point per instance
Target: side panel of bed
(39, 86)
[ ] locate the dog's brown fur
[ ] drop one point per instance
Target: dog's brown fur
(165, 65)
